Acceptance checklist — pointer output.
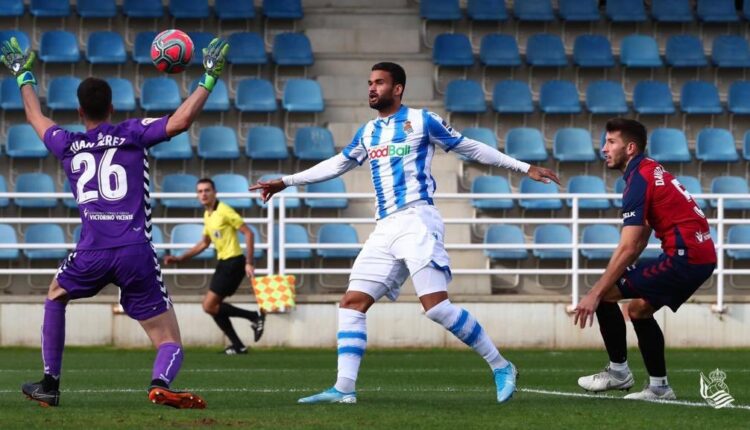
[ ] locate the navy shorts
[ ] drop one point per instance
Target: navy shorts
(666, 281)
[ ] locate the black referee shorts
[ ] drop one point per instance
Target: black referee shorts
(228, 276)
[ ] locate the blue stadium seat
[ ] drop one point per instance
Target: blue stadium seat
(160, 94)
(606, 97)
(177, 148)
(142, 47)
(439, 10)
(530, 186)
(693, 186)
(534, 10)
(11, 8)
(716, 145)
(96, 8)
(545, 50)
(491, 185)
(736, 235)
(302, 95)
(282, 9)
(142, 9)
(639, 51)
(599, 234)
(179, 183)
(255, 95)
(668, 145)
(157, 238)
(717, 11)
(234, 10)
(10, 95)
(584, 184)
(730, 51)
(574, 145)
(579, 10)
(619, 188)
(23, 142)
(247, 49)
(465, 96)
(559, 97)
(739, 98)
(35, 183)
(525, 144)
(313, 144)
(233, 183)
(106, 47)
(69, 202)
(452, 50)
(266, 143)
(626, 10)
(499, 50)
(553, 234)
(50, 8)
(746, 146)
(189, 9)
(21, 37)
(292, 49)
(8, 235)
(685, 50)
(45, 233)
(200, 39)
(512, 97)
(592, 50)
(218, 143)
(257, 252)
(123, 94)
(190, 234)
(504, 234)
(487, 10)
(59, 47)
(218, 100)
(295, 234)
(730, 185)
(62, 93)
(291, 203)
(672, 10)
(337, 233)
(4, 201)
(700, 97)
(334, 185)
(653, 97)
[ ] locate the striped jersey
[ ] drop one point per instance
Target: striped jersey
(400, 150)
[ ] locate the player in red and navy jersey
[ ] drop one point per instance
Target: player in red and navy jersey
(653, 199)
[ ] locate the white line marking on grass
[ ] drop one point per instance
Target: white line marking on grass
(390, 370)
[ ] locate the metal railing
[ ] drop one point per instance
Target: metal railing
(276, 216)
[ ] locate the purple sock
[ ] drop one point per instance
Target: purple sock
(168, 362)
(53, 336)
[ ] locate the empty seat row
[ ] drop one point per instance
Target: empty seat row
(601, 97)
(190, 9)
(590, 51)
(163, 94)
(584, 10)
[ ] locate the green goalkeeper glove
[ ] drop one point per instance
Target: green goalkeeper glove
(214, 59)
(19, 62)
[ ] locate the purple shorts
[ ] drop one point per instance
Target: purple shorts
(133, 268)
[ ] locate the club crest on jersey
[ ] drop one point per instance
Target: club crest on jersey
(408, 129)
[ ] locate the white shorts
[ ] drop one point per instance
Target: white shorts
(401, 244)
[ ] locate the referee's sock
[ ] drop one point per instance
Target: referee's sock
(233, 311)
(226, 326)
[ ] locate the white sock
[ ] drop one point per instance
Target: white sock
(660, 381)
(351, 342)
(619, 367)
(465, 327)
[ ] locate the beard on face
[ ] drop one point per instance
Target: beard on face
(381, 102)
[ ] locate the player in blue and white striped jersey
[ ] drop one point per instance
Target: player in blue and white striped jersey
(408, 237)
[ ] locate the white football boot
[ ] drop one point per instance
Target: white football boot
(605, 380)
(653, 393)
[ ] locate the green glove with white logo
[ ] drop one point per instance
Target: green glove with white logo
(19, 62)
(214, 60)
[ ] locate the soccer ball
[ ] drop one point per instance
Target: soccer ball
(171, 51)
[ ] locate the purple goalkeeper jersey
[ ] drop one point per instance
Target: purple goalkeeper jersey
(107, 168)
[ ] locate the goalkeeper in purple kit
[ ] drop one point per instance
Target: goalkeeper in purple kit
(107, 166)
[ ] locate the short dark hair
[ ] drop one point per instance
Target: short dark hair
(95, 98)
(398, 75)
(630, 130)
(206, 181)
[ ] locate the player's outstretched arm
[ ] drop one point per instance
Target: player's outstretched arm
(199, 247)
(214, 59)
(20, 64)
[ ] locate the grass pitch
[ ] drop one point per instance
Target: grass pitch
(397, 389)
